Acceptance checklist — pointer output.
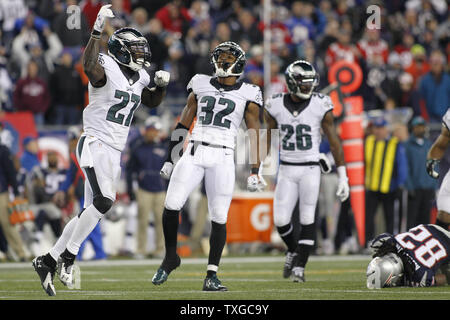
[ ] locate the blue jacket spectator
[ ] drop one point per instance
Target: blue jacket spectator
(421, 187)
(29, 157)
(146, 160)
(435, 88)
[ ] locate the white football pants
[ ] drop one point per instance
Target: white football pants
(443, 197)
(296, 183)
(216, 165)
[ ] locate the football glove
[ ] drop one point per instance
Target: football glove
(343, 190)
(324, 162)
(256, 183)
(431, 164)
(162, 78)
(103, 13)
(166, 170)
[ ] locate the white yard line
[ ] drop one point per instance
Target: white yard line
(153, 262)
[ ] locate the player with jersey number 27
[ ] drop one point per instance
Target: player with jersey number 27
(118, 84)
(220, 103)
(299, 115)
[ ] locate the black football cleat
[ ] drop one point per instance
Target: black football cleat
(213, 284)
(46, 275)
(167, 266)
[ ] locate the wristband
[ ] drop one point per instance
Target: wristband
(95, 34)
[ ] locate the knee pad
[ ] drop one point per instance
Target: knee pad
(219, 215)
(102, 204)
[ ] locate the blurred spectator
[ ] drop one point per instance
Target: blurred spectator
(6, 84)
(374, 50)
(29, 158)
(280, 36)
(254, 69)
(306, 22)
(246, 28)
(198, 11)
(403, 94)
(139, 20)
(156, 38)
(8, 179)
(403, 49)
(146, 159)
(121, 18)
(27, 46)
(421, 187)
(386, 170)
(342, 49)
(90, 9)
(419, 65)
(277, 81)
(32, 94)
(174, 17)
(435, 87)
(71, 37)
(180, 72)
(46, 182)
(223, 32)
(67, 92)
(10, 11)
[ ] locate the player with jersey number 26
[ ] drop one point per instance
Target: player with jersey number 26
(299, 115)
(118, 84)
(220, 103)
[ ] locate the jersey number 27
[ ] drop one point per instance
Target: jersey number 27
(113, 112)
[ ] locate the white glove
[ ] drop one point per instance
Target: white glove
(343, 190)
(103, 13)
(256, 183)
(166, 170)
(162, 78)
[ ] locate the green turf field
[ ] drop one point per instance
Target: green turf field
(250, 278)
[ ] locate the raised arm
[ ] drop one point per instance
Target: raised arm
(152, 97)
(91, 65)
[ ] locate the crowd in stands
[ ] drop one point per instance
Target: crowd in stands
(405, 62)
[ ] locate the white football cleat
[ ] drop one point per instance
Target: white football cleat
(65, 272)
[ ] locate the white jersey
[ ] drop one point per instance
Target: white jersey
(111, 107)
(446, 119)
(220, 109)
(300, 135)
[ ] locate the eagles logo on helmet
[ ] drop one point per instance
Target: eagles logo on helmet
(228, 69)
(301, 79)
(129, 48)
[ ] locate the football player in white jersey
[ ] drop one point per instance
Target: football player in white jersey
(220, 103)
(436, 153)
(299, 116)
(118, 84)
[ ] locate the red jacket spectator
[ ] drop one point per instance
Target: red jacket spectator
(173, 17)
(90, 10)
(31, 93)
(373, 48)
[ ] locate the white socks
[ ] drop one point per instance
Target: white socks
(76, 231)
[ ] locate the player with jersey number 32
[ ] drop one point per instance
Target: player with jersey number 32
(299, 115)
(118, 84)
(220, 103)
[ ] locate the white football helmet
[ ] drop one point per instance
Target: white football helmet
(385, 271)
(301, 78)
(224, 70)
